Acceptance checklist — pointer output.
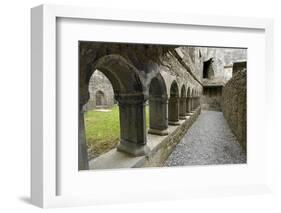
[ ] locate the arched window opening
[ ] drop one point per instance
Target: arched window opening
(101, 94)
(100, 99)
(158, 118)
(208, 72)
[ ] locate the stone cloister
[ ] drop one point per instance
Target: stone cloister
(168, 77)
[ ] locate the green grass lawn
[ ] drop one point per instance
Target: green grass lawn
(103, 130)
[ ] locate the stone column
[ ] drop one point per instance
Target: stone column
(82, 147)
(182, 112)
(188, 106)
(191, 104)
(158, 117)
(173, 111)
(132, 124)
(194, 103)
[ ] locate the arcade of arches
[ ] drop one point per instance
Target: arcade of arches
(163, 76)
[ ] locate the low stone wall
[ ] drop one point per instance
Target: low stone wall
(234, 105)
(160, 154)
(160, 146)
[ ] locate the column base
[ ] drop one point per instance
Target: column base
(174, 123)
(158, 132)
(133, 149)
(182, 117)
(189, 113)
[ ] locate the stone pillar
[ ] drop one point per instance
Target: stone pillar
(173, 111)
(82, 147)
(132, 124)
(198, 101)
(188, 106)
(191, 104)
(158, 117)
(182, 111)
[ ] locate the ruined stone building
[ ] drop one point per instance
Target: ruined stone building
(175, 80)
(101, 92)
(217, 71)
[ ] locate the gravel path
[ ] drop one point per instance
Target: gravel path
(208, 141)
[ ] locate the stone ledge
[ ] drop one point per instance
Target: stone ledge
(160, 146)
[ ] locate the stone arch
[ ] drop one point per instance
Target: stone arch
(174, 89)
(99, 82)
(123, 75)
(158, 120)
(182, 106)
(173, 106)
(100, 99)
(128, 91)
(183, 91)
(208, 71)
(157, 86)
(169, 80)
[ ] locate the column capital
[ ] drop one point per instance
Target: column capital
(162, 99)
(132, 98)
(174, 99)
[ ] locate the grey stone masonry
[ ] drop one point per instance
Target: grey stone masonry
(99, 84)
(132, 122)
(234, 105)
(173, 111)
(158, 116)
(182, 112)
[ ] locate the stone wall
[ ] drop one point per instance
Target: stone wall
(221, 59)
(100, 83)
(226, 55)
(234, 105)
(238, 66)
(161, 153)
(211, 98)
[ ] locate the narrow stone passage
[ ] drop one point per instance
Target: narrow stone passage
(208, 141)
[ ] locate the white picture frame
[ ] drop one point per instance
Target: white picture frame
(44, 155)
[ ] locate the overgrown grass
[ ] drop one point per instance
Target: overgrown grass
(103, 130)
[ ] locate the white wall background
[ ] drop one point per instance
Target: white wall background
(15, 105)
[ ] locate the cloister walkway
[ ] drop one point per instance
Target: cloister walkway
(208, 141)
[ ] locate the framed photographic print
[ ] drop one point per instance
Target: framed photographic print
(130, 106)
